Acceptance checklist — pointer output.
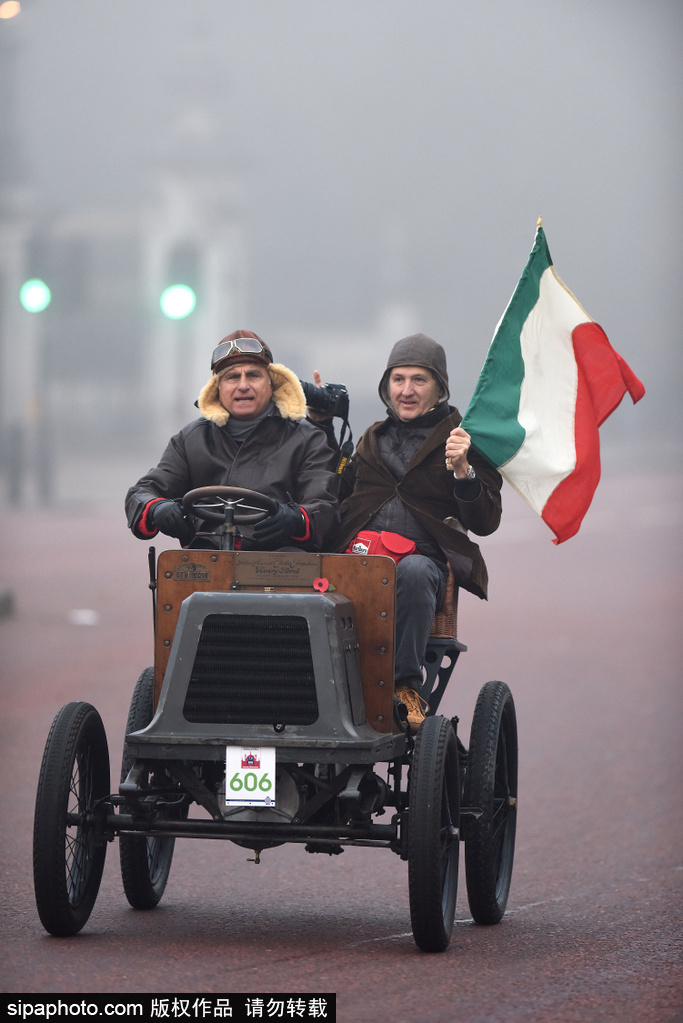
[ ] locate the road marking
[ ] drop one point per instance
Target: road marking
(464, 920)
(533, 905)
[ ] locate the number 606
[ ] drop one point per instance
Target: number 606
(250, 781)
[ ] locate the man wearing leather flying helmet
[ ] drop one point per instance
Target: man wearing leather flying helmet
(252, 433)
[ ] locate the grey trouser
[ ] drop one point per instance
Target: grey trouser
(420, 588)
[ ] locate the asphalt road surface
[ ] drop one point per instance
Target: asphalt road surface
(587, 635)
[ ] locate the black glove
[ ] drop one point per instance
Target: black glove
(278, 529)
(168, 518)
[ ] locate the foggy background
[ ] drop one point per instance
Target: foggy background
(363, 169)
(336, 174)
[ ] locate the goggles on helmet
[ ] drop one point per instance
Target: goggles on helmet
(241, 346)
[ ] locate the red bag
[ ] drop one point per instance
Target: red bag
(392, 545)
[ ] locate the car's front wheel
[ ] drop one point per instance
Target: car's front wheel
(69, 832)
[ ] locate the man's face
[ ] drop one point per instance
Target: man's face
(245, 390)
(412, 391)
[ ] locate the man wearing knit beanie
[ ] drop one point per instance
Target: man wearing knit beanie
(416, 483)
(252, 433)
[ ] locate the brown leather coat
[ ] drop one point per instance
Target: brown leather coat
(427, 489)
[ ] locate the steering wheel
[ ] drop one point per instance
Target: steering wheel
(212, 503)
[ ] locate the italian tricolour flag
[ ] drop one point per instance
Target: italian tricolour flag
(550, 379)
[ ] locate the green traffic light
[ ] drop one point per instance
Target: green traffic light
(178, 301)
(35, 296)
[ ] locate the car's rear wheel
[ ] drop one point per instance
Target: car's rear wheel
(491, 791)
(145, 861)
(69, 834)
(433, 836)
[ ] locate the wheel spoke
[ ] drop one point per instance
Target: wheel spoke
(446, 836)
(248, 507)
(498, 830)
(78, 846)
(155, 857)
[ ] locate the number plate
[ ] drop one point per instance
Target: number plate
(250, 776)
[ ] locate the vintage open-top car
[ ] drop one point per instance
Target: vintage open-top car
(271, 707)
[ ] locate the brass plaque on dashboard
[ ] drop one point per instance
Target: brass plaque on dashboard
(253, 568)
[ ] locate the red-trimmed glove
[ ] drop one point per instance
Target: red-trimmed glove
(168, 518)
(278, 530)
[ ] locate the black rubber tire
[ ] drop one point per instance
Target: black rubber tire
(69, 841)
(433, 838)
(491, 786)
(145, 861)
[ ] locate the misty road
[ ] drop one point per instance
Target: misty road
(586, 634)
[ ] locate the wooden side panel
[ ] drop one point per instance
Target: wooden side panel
(367, 581)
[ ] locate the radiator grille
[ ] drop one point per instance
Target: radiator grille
(252, 669)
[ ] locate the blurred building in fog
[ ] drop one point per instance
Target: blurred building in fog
(95, 374)
(102, 364)
(17, 204)
(101, 368)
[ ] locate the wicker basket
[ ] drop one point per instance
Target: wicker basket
(445, 624)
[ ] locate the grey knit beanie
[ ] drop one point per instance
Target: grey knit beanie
(417, 350)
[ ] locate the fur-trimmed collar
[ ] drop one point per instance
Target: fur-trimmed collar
(288, 396)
